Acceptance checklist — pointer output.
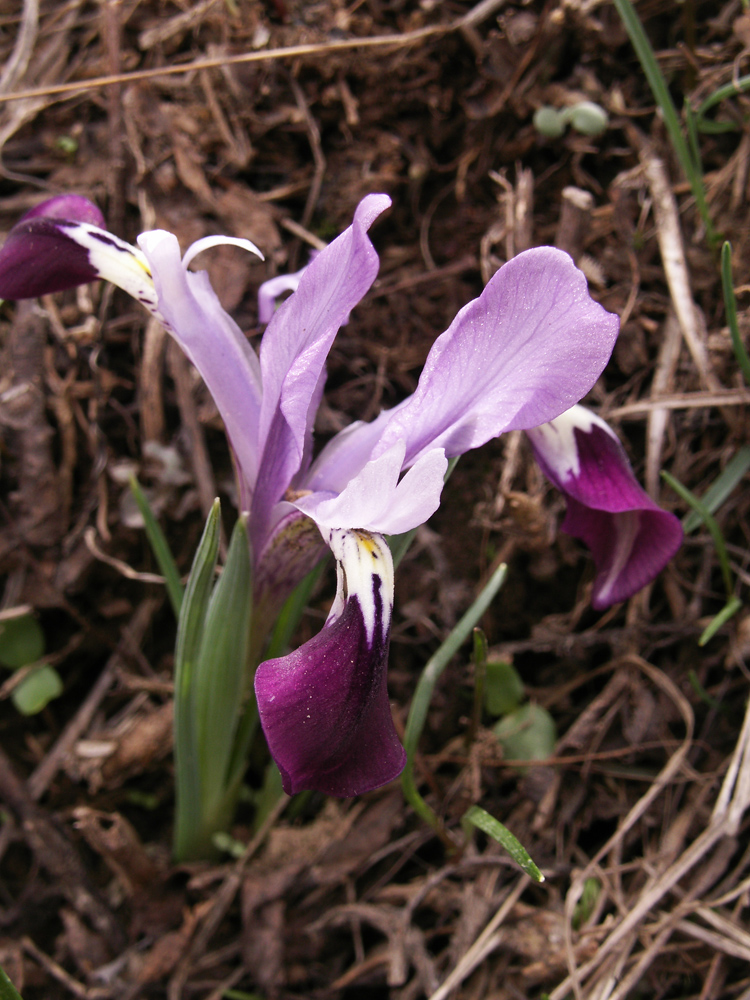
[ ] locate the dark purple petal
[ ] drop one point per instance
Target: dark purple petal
(73, 207)
(629, 548)
(631, 538)
(324, 708)
(39, 257)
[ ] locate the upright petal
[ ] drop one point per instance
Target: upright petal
(530, 346)
(296, 344)
(324, 708)
(191, 311)
(631, 538)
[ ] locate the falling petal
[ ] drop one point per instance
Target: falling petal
(631, 538)
(324, 708)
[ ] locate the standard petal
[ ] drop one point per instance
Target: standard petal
(530, 346)
(324, 708)
(376, 500)
(631, 538)
(296, 344)
(191, 311)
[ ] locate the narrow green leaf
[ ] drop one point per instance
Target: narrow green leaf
(720, 489)
(730, 609)
(189, 632)
(710, 522)
(481, 819)
(160, 547)
(479, 656)
(658, 85)
(592, 888)
(220, 677)
(7, 989)
(730, 308)
(426, 685)
(721, 94)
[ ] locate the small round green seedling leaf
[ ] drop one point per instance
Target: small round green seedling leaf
(588, 118)
(529, 733)
(549, 123)
(21, 641)
(37, 690)
(503, 688)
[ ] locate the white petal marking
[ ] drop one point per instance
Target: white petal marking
(365, 569)
(115, 260)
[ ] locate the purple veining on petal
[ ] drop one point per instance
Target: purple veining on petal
(631, 538)
(324, 708)
(530, 346)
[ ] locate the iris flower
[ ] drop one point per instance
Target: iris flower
(521, 354)
(631, 538)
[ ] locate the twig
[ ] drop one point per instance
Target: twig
(57, 854)
(486, 943)
(221, 902)
(675, 266)
(219, 62)
(684, 401)
(663, 381)
(15, 67)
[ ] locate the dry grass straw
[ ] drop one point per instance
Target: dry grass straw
(619, 964)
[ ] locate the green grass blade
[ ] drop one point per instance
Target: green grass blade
(189, 632)
(7, 989)
(730, 609)
(708, 519)
(739, 86)
(160, 547)
(719, 490)
(478, 817)
(426, 685)
(220, 676)
(663, 98)
(730, 307)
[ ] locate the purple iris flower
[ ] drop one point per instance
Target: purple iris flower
(631, 538)
(521, 354)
